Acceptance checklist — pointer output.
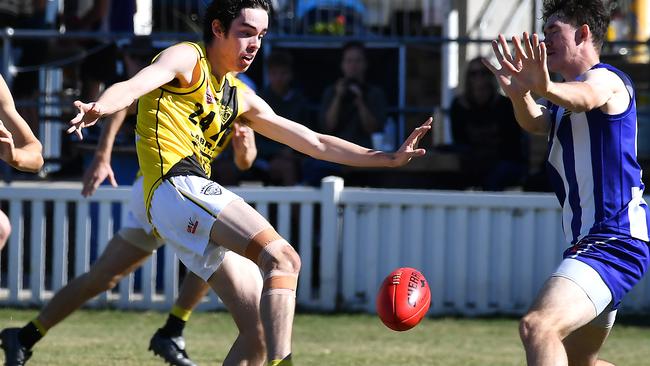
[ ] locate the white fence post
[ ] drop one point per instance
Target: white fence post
(16, 246)
(329, 245)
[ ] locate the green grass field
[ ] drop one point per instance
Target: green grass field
(122, 338)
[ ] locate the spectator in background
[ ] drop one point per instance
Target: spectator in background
(104, 63)
(277, 163)
(99, 68)
(494, 150)
(26, 14)
(351, 109)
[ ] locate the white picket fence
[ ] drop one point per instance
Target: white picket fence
(482, 253)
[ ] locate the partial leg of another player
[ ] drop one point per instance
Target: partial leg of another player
(118, 259)
(5, 229)
(168, 341)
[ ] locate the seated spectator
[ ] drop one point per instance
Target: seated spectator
(277, 163)
(26, 14)
(493, 148)
(351, 109)
(99, 67)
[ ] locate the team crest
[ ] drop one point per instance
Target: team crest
(211, 189)
(225, 113)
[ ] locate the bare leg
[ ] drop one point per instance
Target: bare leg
(5, 229)
(561, 308)
(583, 345)
(238, 283)
(118, 259)
(193, 290)
(243, 230)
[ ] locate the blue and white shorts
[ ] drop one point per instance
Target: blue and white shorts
(606, 268)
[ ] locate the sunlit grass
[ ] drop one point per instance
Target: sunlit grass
(122, 338)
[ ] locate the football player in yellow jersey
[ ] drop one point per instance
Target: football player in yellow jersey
(187, 100)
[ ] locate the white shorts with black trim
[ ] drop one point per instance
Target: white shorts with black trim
(183, 210)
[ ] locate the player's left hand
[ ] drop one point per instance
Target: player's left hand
(243, 137)
(88, 115)
(409, 148)
(532, 72)
(7, 148)
(98, 171)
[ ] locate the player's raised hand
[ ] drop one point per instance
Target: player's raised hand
(508, 65)
(88, 115)
(533, 72)
(409, 148)
(7, 148)
(98, 171)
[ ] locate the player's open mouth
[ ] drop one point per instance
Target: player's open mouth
(248, 58)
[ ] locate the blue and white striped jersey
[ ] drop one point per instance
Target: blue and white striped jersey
(592, 165)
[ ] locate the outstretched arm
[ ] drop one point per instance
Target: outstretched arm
(18, 145)
(325, 147)
(100, 168)
(176, 62)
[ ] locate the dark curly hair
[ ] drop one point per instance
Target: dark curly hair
(225, 11)
(594, 13)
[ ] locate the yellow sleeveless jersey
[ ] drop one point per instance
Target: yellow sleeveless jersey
(179, 131)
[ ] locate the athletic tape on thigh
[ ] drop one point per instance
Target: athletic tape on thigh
(259, 242)
(238, 224)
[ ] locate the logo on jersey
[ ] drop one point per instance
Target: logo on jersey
(211, 189)
(225, 113)
(209, 98)
(192, 225)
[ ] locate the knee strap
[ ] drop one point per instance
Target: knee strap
(262, 248)
(280, 282)
(259, 242)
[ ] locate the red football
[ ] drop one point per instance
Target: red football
(403, 299)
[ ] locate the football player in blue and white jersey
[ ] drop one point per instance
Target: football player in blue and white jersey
(591, 122)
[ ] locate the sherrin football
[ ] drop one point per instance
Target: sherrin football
(403, 299)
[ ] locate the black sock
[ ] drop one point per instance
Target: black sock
(29, 335)
(173, 327)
